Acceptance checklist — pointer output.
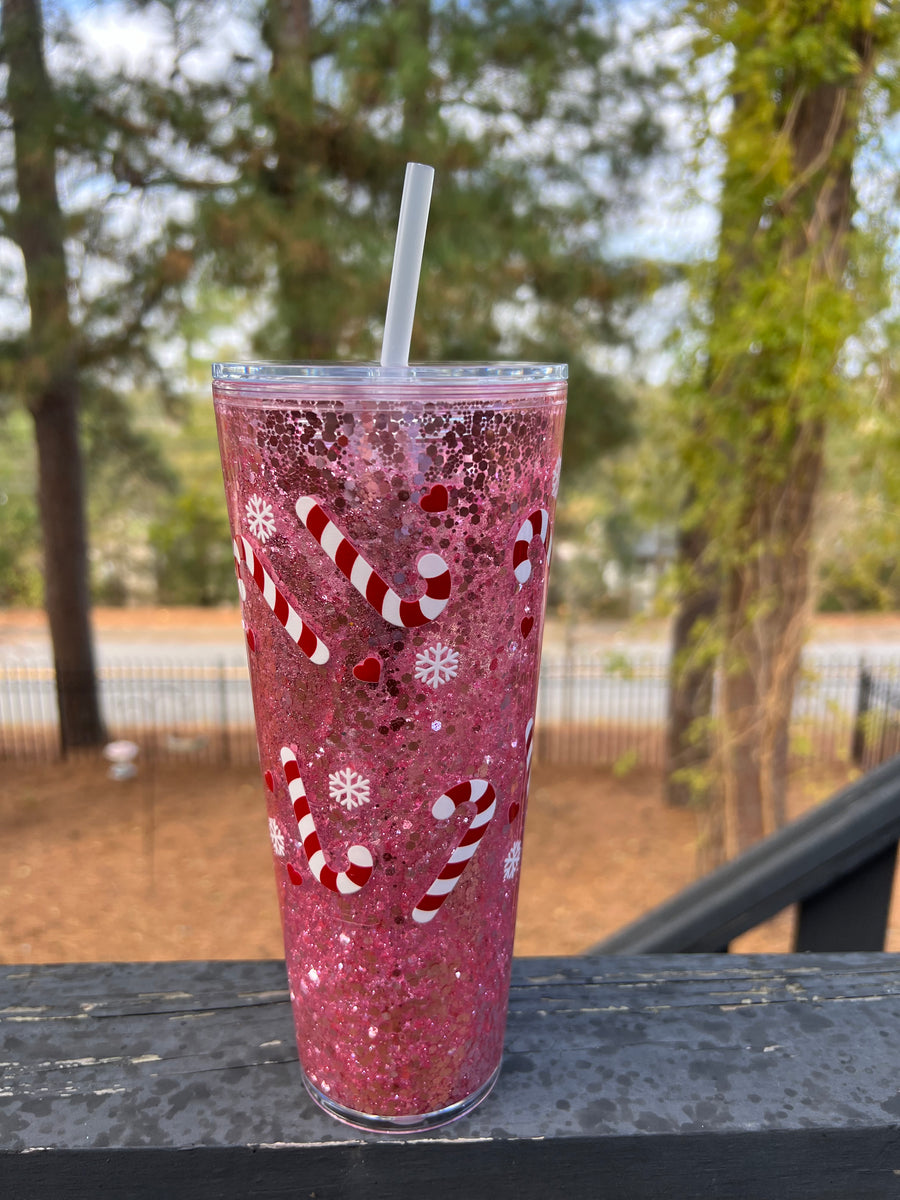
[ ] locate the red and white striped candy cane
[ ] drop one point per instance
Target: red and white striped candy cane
(346, 882)
(481, 792)
(297, 629)
(408, 614)
(529, 751)
(242, 591)
(536, 526)
(515, 807)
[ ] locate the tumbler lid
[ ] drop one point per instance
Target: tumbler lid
(330, 373)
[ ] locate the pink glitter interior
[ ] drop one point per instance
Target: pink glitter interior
(395, 1017)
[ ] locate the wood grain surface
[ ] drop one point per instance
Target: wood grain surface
(707, 1076)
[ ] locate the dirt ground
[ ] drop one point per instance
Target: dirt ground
(176, 864)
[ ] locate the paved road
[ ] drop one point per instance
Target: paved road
(173, 687)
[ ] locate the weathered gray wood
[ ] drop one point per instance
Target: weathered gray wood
(683, 1076)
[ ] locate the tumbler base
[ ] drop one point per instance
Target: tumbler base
(411, 1124)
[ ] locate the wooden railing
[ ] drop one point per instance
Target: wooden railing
(662, 1077)
(836, 864)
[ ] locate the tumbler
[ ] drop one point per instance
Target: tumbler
(391, 537)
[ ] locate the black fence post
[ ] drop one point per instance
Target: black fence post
(863, 704)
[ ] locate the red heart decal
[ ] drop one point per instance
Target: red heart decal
(513, 811)
(527, 626)
(436, 500)
(294, 875)
(369, 670)
(251, 639)
(270, 781)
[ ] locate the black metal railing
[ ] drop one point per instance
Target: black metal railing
(199, 712)
(836, 864)
(876, 734)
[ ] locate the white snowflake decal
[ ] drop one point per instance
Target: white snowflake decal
(277, 837)
(512, 861)
(436, 665)
(348, 788)
(260, 518)
(557, 474)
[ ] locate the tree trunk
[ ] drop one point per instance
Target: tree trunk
(743, 693)
(304, 261)
(788, 574)
(691, 674)
(50, 379)
(66, 596)
(767, 605)
(768, 597)
(779, 323)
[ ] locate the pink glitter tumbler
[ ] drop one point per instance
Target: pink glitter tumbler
(391, 535)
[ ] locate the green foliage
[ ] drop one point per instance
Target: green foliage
(130, 146)
(578, 591)
(520, 109)
(20, 577)
(618, 665)
(626, 763)
(858, 537)
(794, 282)
(699, 783)
(859, 571)
(20, 560)
(785, 293)
(106, 282)
(261, 193)
(192, 548)
(616, 514)
(792, 287)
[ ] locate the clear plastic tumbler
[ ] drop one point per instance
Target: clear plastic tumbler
(391, 533)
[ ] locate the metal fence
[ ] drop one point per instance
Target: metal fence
(601, 710)
(876, 736)
(613, 710)
(200, 712)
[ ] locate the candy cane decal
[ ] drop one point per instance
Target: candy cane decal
(535, 526)
(515, 807)
(242, 591)
(314, 649)
(408, 614)
(483, 795)
(345, 883)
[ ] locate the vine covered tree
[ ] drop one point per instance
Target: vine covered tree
(786, 291)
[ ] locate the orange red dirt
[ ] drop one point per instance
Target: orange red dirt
(176, 863)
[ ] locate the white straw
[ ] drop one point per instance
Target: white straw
(401, 304)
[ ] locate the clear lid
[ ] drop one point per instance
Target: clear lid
(350, 373)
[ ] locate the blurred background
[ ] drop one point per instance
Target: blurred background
(694, 204)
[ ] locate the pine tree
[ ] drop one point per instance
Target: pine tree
(49, 376)
(102, 276)
(517, 107)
